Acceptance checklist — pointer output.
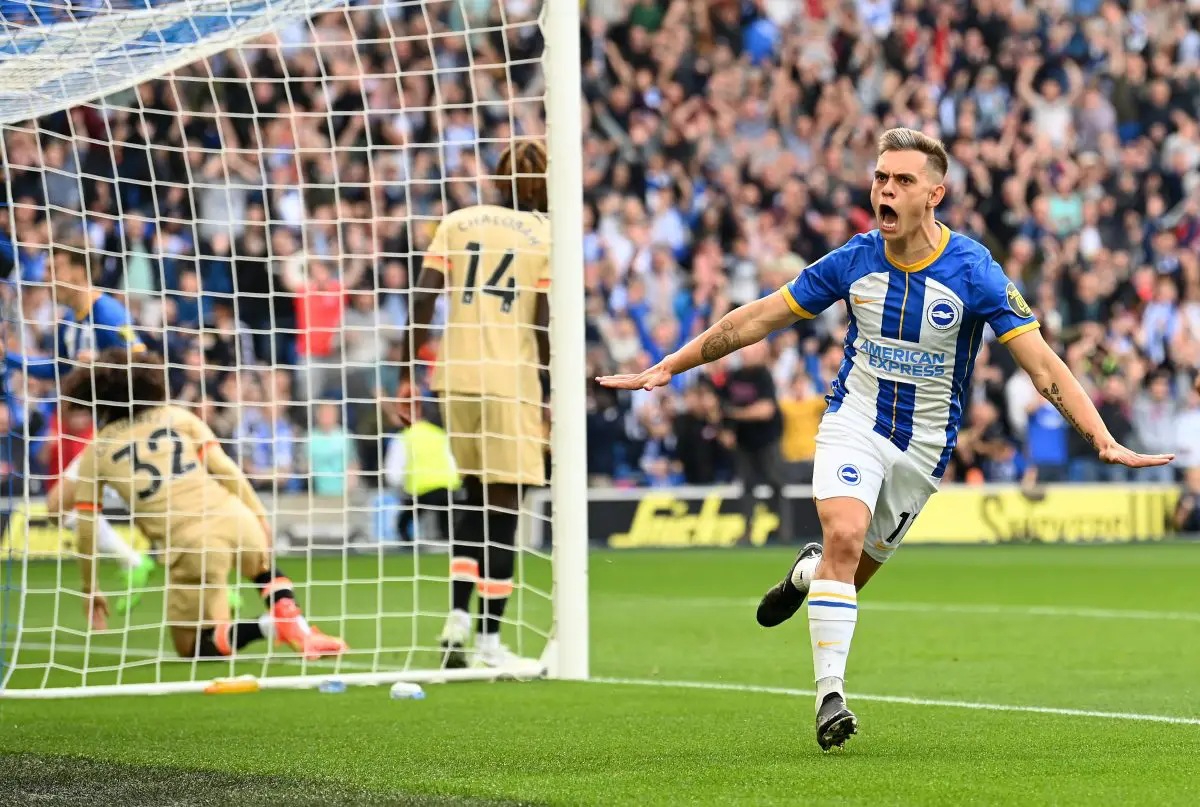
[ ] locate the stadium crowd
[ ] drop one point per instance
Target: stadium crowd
(733, 144)
(274, 223)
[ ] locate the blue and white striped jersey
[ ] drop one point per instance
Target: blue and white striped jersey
(913, 336)
(104, 324)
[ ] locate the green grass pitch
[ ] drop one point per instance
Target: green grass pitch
(694, 703)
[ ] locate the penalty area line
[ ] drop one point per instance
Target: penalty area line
(949, 704)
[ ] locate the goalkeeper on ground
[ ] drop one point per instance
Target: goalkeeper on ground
(493, 264)
(189, 496)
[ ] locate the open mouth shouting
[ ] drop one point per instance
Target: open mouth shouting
(889, 220)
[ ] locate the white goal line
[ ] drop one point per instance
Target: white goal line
(395, 674)
(343, 671)
(146, 654)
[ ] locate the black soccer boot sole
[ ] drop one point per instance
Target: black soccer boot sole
(453, 656)
(783, 600)
(835, 722)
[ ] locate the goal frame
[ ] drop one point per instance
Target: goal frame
(568, 658)
(566, 654)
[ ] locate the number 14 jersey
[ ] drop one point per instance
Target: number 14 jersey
(496, 261)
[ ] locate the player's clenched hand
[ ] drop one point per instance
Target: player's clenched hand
(95, 608)
(656, 376)
(1117, 454)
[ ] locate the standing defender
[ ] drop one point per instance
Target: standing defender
(493, 264)
(918, 297)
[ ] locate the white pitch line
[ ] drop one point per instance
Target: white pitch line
(985, 707)
(1033, 610)
(715, 687)
(947, 608)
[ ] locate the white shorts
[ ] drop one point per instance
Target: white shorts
(112, 499)
(852, 460)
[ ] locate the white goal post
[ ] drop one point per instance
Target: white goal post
(256, 183)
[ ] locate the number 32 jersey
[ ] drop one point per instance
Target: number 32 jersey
(156, 462)
(496, 261)
(913, 335)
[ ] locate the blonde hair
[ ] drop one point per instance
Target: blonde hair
(521, 175)
(901, 139)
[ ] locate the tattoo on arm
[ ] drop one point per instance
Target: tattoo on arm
(722, 343)
(1055, 397)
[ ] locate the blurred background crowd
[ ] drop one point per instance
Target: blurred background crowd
(265, 230)
(732, 145)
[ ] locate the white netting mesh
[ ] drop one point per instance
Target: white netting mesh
(256, 183)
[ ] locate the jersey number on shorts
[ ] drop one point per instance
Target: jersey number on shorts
(506, 292)
(178, 466)
(898, 533)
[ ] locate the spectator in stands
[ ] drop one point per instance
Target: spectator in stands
(332, 463)
(69, 434)
(319, 308)
(1046, 451)
(984, 452)
(198, 382)
(658, 462)
(801, 409)
(751, 409)
(1186, 518)
(1187, 431)
(267, 439)
(725, 145)
(186, 301)
(703, 442)
(1154, 423)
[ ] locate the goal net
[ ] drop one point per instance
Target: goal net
(257, 184)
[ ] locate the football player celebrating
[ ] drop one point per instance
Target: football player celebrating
(918, 298)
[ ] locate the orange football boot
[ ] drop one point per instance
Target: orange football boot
(290, 630)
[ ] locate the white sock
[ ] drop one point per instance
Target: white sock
(266, 623)
(832, 612)
(109, 542)
(487, 642)
(802, 575)
(461, 619)
(302, 623)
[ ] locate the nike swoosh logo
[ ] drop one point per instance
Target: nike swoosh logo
(827, 644)
(864, 300)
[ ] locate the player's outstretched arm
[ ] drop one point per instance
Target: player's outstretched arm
(1057, 385)
(740, 327)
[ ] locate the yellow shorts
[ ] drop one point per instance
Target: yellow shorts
(200, 556)
(498, 440)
